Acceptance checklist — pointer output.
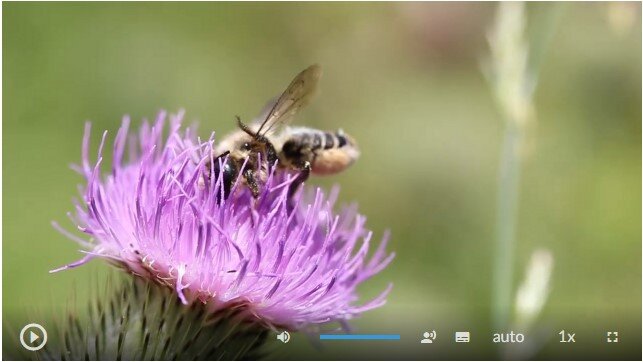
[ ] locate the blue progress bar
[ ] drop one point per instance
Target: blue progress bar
(360, 337)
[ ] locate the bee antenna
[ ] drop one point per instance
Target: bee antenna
(250, 132)
(245, 128)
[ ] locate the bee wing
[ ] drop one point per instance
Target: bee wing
(265, 111)
(297, 95)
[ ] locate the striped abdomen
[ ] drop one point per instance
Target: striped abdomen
(327, 152)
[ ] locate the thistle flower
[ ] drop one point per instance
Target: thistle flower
(285, 263)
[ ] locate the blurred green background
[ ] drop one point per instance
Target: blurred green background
(404, 79)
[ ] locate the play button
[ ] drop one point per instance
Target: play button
(32, 337)
(36, 333)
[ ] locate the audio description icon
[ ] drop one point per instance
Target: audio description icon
(429, 337)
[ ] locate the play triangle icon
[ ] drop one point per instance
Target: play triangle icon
(33, 337)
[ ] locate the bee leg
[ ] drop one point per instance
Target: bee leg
(301, 178)
(249, 175)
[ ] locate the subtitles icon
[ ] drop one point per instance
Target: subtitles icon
(429, 337)
(462, 337)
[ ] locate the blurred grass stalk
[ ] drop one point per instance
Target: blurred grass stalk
(534, 290)
(530, 300)
(513, 84)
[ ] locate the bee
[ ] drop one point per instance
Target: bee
(269, 141)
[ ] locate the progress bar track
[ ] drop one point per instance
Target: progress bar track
(359, 337)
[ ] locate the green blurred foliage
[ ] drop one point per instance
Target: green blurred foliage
(404, 80)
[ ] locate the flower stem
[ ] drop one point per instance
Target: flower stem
(512, 73)
(512, 83)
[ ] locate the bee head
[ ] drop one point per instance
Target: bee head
(257, 144)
